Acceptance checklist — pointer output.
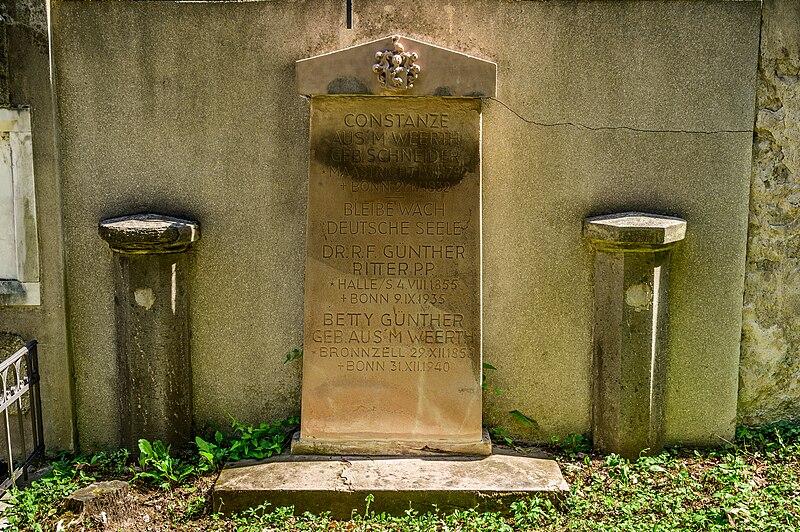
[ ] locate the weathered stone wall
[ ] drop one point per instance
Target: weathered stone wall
(3, 62)
(27, 83)
(770, 364)
(654, 106)
(190, 109)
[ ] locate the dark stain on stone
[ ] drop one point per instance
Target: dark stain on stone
(347, 85)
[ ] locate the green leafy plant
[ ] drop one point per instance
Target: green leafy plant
(294, 354)
(533, 513)
(212, 454)
(247, 441)
(524, 420)
(31, 507)
(159, 468)
(368, 499)
(194, 509)
(780, 438)
(256, 442)
(489, 367)
(495, 390)
(500, 435)
(573, 443)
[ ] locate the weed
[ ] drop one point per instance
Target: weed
(534, 512)
(573, 444)
(105, 463)
(495, 390)
(524, 420)
(294, 354)
(780, 438)
(212, 455)
(258, 442)
(194, 509)
(369, 498)
(246, 441)
(500, 435)
(161, 469)
(751, 484)
(34, 505)
(486, 366)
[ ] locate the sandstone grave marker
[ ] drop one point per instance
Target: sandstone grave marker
(392, 347)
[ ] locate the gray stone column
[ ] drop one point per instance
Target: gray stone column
(630, 321)
(151, 306)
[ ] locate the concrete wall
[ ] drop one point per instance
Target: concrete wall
(28, 83)
(770, 364)
(649, 110)
(190, 109)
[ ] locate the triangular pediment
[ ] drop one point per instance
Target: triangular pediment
(442, 72)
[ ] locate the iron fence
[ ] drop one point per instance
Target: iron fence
(19, 376)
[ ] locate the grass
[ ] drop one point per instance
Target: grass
(752, 483)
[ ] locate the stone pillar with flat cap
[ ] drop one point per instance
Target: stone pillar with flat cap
(630, 291)
(151, 307)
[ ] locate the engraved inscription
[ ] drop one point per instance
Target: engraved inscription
(393, 269)
(419, 149)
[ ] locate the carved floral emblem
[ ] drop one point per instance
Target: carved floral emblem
(395, 68)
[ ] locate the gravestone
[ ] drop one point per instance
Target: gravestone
(392, 352)
(392, 347)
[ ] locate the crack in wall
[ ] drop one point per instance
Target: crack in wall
(579, 125)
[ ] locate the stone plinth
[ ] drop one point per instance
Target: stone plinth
(340, 484)
(155, 376)
(630, 287)
(481, 447)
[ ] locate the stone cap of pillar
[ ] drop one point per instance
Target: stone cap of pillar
(633, 231)
(149, 233)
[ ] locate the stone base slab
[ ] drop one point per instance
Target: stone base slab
(483, 447)
(340, 484)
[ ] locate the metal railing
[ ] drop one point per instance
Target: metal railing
(19, 376)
